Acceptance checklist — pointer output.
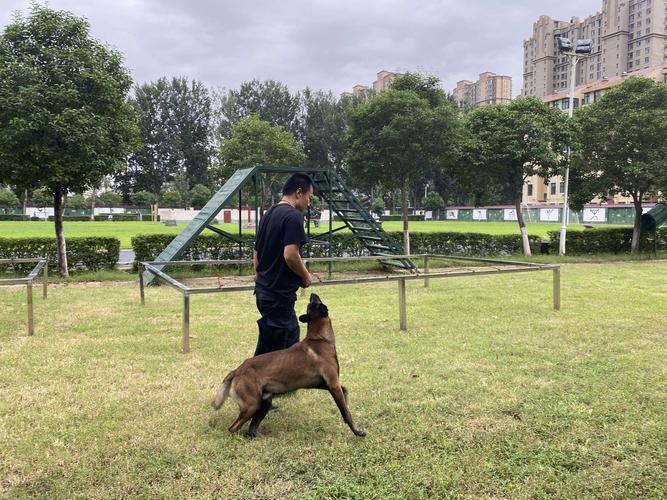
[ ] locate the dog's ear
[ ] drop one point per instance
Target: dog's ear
(323, 310)
(304, 318)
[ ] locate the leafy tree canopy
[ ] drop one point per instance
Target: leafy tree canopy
(143, 198)
(76, 201)
(8, 199)
(172, 199)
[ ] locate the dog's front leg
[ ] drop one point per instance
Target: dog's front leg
(337, 393)
(258, 417)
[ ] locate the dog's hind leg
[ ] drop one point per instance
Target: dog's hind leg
(258, 417)
(244, 415)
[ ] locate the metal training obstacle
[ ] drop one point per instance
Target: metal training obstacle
(151, 267)
(41, 265)
(328, 186)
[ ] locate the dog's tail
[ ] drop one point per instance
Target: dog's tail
(223, 390)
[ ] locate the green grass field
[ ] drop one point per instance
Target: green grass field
(490, 394)
(125, 230)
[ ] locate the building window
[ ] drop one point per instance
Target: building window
(553, 188)
(562, 187)
(529, 187)
(664, 78)
(646, 60)
(566, 103)
(587, 97)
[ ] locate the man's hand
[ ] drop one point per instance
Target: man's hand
(308, 281)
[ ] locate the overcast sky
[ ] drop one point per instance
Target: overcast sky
(322, 44)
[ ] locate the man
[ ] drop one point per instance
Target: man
(279, 269)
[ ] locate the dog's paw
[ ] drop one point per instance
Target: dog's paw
(359, 433)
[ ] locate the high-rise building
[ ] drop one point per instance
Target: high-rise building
(382, 82)
(489, 89)
(627, 35)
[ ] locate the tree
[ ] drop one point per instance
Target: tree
(76, 201)
(175, 118)
(64, 118)
(172, 199)
(110, 199)
(377, 205)
(199, 195)
(256, 142)
(142, 198)
(8, 199)
(434, 202)
(504, 144)
(324, 121)
(394, 136)
(622, 146)
(270, 100)
(42, 197)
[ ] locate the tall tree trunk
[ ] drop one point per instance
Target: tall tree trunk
(58, 209)
(92, 204)
(522, 227)
(25, 202)
(636, 229)
(404, 209)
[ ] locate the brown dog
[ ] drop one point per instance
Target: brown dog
(309, 364)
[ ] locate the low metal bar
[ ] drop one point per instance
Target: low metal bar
(38, 269)
(491, 261)
(185, 343)
(556, 272)
(31, 317)
(142, 293)
(426, 270)
(378, 279)
(13, 281)
(170, 281)
(19, 261)
(45, 284)
(402, 311)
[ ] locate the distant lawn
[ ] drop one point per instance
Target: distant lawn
(125, 230)
(490, 394)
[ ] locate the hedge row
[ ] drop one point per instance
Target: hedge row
(148, 247)
(607, 240)
(14, 217)
(92, 253)
(400, 217)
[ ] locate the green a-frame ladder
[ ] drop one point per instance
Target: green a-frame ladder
(328, 186)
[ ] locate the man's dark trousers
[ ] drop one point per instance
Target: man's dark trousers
(278, 326)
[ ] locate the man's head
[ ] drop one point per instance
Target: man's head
(299, 191)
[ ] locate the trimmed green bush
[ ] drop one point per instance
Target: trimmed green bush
(148, 247)
(72, 218)
(91, 253)
(400, 217)
(601, 240)
(117, 217)
(14, 217)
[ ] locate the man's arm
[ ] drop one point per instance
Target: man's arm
(255, 262)
(296, 264)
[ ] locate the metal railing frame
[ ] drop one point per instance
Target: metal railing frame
(425, 275)
(41, 265)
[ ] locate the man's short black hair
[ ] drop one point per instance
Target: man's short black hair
(297, 181)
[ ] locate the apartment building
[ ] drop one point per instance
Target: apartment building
(535, 190)
(489, 89)
(381, 83)
(628, 35)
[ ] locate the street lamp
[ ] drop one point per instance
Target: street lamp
(581, 50)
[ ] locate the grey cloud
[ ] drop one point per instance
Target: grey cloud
(323, 44)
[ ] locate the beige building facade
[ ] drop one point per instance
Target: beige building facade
(535, 190)
(381, 83)
(627, 35)
(489, 89)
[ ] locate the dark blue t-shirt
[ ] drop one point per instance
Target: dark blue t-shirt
(281, 225)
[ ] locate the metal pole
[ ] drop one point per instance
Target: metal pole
(426, 270)
(330, 252)
(557, 288)
(401, 305)
(563, 230)
(141, 284)
(185, 345)
(46, 279)
(31, 322)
